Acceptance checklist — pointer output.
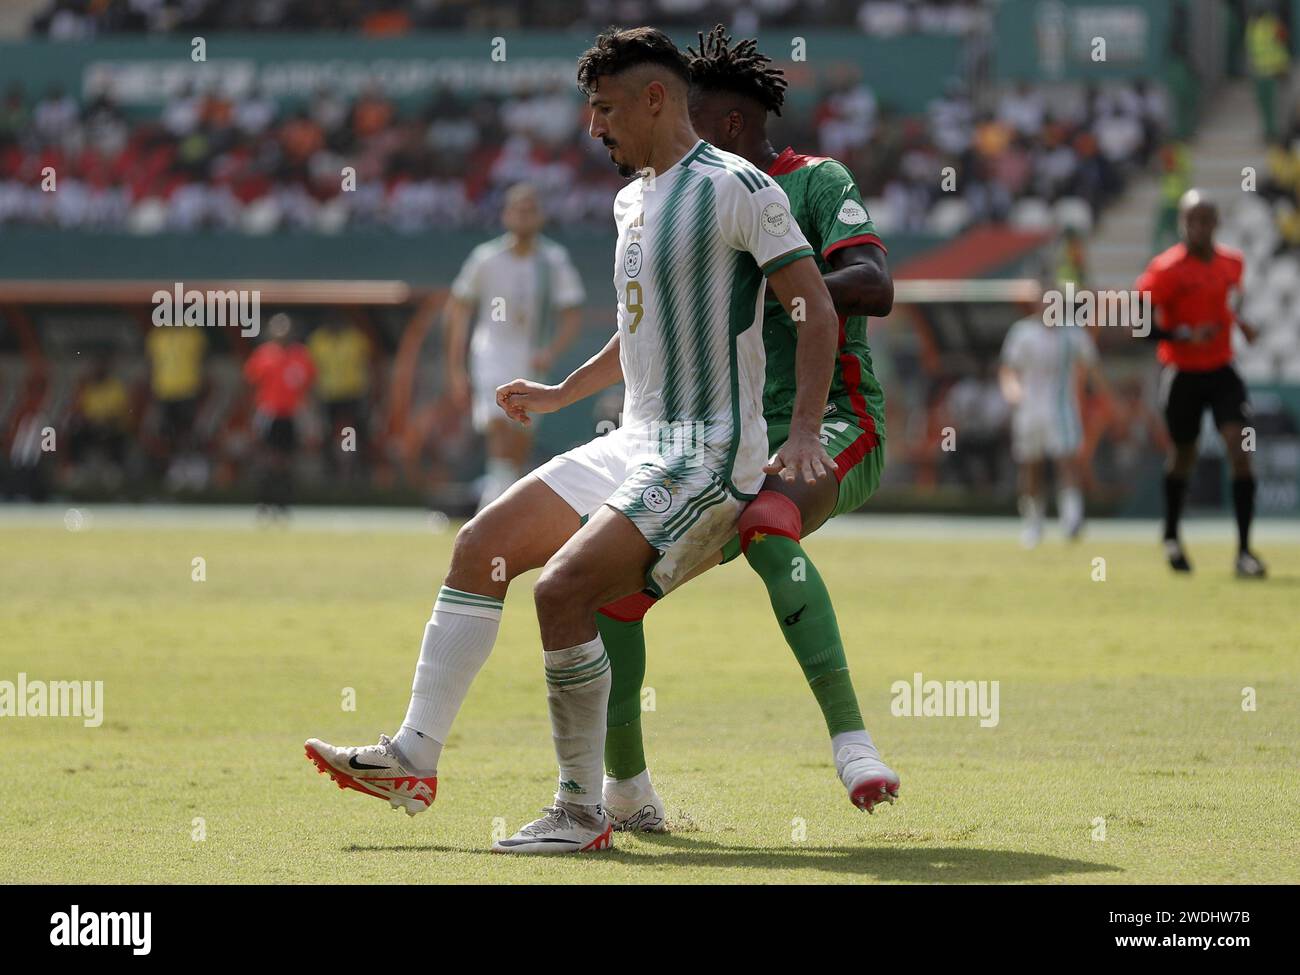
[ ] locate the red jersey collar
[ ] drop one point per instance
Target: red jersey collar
(786, 162)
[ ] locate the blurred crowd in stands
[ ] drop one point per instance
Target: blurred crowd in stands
(72, 20)
(210, 161)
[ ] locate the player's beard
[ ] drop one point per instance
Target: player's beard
(624, 170)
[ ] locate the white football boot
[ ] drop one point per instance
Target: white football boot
(377, 770)
(868, 779)
(633, 805)
(563, 828)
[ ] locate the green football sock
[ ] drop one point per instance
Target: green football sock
(625, 646)
(803, 608)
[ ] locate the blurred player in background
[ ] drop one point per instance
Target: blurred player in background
(1042, 365)
(517, 283)
(341, 353)
(101, 418)
(281, 373)
(733, 88)
(1193, 286)
(176, 377)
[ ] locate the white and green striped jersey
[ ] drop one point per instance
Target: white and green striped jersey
(694, 244)
(1047, 360)
(516, 297)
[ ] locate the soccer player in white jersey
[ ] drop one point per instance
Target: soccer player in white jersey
(1042, 363)
(700, 231)
(513, 287)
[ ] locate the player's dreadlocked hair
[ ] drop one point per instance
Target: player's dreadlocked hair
(617, 50)
(741, 69)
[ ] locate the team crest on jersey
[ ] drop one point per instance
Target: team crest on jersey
(852, 212)
(657, 498)
(776, 220)
(632, 260)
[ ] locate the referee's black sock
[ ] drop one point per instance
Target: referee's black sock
(1243, 502)
(1175, 492)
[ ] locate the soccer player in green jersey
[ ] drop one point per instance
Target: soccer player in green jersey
(732, 90)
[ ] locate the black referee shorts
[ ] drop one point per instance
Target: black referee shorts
(1187, 394)
(280, 434)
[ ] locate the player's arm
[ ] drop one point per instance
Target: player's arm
(1096, 380)
(859, 282)
(803, 293)
(1151, 285)
(760, 223)
(1009, 383)
(458, 315)
(569, 298)
(1008, 373)
(521, 397)
(570, 325)
(1248, 331)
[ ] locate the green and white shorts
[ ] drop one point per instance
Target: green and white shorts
(683, 507)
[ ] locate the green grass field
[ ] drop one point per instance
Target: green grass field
(1119, 699)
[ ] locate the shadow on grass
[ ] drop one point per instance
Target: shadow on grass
(883, 863)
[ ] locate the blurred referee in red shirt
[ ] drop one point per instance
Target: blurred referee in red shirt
(281, 373)
(1190, 286)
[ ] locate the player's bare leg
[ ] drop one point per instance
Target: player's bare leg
(520, 531)
(1247, 566)
(605, 560)
(1032, 504)
(1182, 459)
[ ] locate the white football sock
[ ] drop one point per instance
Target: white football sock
(457, 640)
(1031, 510)
(1069, 504)
(638, 785)
(851, 738)
(577, 694)
(501, 474)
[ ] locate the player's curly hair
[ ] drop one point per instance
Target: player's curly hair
(617, 50)
(741, 69)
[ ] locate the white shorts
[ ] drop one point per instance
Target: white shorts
(1045, 433)
(684, 509)
(487, 371)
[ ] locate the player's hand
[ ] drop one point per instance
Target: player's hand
(520, 397)
(802, 455)
(1248, 331)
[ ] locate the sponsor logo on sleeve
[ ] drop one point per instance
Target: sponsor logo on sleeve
(852, 212)
(776, 219)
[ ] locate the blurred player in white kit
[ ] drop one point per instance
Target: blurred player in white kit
(513, 287)
(1041, 367)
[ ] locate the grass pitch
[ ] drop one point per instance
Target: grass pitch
(1122, 752)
